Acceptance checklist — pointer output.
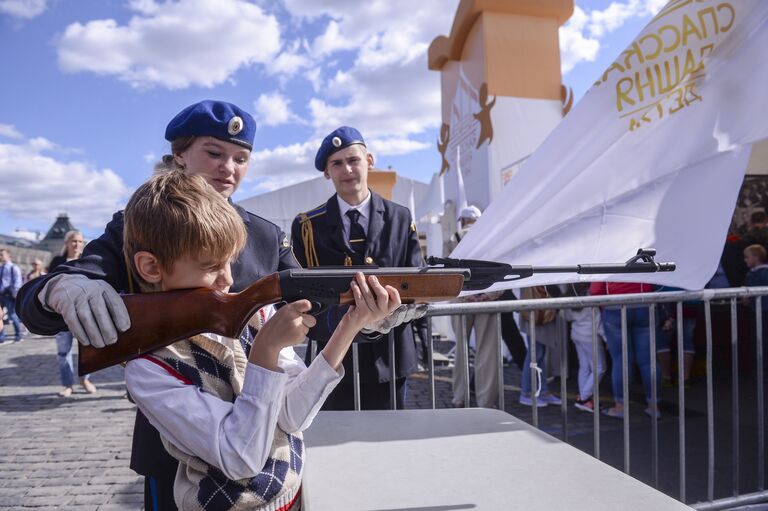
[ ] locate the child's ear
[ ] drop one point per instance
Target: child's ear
(147, 266)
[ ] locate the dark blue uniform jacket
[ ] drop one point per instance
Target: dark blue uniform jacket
(392, 241)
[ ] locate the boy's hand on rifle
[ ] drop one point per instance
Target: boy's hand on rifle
(289, 326)
(373, 302)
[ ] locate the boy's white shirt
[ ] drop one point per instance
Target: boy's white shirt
(234, 437)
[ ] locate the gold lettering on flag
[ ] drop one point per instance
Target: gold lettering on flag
(657, 76)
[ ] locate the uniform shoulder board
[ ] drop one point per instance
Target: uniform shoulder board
(312, 213)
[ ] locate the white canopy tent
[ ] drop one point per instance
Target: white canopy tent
(282, 205)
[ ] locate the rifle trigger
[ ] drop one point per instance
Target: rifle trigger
(316, 309)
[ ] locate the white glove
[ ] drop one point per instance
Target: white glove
(92, 309)
(403, 314)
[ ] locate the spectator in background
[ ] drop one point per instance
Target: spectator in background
(38, 270)
(72, 249)
(733, 252)
(581, 335)
(755, 257)
(487, 340)
(638, 342)
(758, 230)
(546, 337)
(510, 333)
(668, 331)
(10, 282)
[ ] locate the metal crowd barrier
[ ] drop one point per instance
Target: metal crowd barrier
(623, 302)
(650, 299)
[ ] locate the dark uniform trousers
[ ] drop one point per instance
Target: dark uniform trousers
(318, 240)
(267, 250)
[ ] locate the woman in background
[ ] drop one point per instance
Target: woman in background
(38, 270)
(72, 249)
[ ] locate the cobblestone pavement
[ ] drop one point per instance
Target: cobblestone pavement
(74, 453)
(63, 453)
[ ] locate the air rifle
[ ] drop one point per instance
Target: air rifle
(160, 319)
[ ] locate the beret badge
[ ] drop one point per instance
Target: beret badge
(235, 125)
(336, 142)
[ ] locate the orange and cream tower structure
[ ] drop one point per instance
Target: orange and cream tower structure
(501, 90)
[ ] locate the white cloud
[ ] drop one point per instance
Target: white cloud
(331, 41)
(575, 47)
(270, 169)
(10, 131)
(314, 77)
(37, 186)
(173, 44)
(580, 36)
(380, 102)
(295, 159)
(26, 9)
(395, 146)
(388, 92)
(274, 109)
(290, 61)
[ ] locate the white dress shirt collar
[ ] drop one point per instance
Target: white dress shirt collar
(364, 207)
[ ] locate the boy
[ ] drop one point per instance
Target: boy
(230, 410)
(754, 258)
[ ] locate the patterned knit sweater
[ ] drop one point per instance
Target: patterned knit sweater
(218, 368)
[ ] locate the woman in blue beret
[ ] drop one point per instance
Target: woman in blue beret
(210, 138)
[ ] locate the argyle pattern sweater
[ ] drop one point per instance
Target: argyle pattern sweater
(219, 369)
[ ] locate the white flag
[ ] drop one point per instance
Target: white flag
(652, 156)
(461, 194)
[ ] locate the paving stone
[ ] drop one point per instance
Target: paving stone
(129, 506)
(48, 491)
(125, 498)
(12, 492)
(11, 502)
(94, 499)
(61, 500)
(94, 489)
(114, 479)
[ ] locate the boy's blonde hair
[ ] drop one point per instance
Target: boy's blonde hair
(174, 215)
(757, 251)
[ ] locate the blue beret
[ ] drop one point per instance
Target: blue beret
(336, 141)
(218, 119)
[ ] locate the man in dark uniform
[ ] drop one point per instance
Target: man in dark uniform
(80, 294)
(358, 227)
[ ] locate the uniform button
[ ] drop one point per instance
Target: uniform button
(369, 260)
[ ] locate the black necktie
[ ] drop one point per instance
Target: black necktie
(356, 232)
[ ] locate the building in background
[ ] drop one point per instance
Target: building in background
(54, 238)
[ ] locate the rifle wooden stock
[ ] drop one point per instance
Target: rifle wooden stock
(160, 319)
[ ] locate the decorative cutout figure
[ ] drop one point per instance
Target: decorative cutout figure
(484, 116)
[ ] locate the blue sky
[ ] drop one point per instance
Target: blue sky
(89, 85)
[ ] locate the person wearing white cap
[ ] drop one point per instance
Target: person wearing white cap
(486, 338)
(469, 215)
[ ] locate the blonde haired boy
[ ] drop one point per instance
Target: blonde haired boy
(230, 410)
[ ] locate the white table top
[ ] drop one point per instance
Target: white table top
(456, 459)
